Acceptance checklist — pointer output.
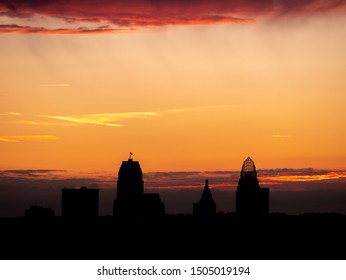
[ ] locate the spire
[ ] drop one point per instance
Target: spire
(206, 194)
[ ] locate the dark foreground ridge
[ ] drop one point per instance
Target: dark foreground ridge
(278, 236)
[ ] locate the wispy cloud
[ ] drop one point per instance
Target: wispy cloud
(11, 114)
(30, 172)
(5, 139)
(302, 175)
(108, 119)
(104, 16)
(20, 138)
(15, 28)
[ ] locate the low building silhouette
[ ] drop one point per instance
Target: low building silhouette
(205, 209)
(39, 212)
(251, 199)
(132, 205)
(80, 203)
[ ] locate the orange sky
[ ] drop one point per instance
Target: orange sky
(189, 95)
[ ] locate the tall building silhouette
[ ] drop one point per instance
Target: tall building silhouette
(80, 203)
(205, 209)
(251, 199)
(132, 204)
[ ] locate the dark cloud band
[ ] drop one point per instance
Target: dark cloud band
(118, 15)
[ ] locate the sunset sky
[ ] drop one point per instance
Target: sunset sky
(183, 85)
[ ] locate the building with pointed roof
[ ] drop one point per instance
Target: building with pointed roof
(205, 209)
(251, 199)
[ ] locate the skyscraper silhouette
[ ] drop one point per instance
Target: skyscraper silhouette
(132, 204)
(205, 209)
(130, 181)
(251, 199)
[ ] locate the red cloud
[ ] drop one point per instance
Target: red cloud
(14, 28)
(129, 15)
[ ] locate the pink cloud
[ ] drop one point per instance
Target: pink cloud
(118, 15)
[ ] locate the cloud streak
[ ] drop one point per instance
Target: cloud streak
(105, 16)
(11, 114)
(302, 175)
(15, 28)
(107, 119)
(29, 172)
(20, 138)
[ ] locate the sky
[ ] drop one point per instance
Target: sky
(189, 87)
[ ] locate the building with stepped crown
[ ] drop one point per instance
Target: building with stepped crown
(251, 199)
(205, 209)
(132, 205)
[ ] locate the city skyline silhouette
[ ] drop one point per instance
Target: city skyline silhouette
(248, 170)
(225, 196)
(139, 219)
